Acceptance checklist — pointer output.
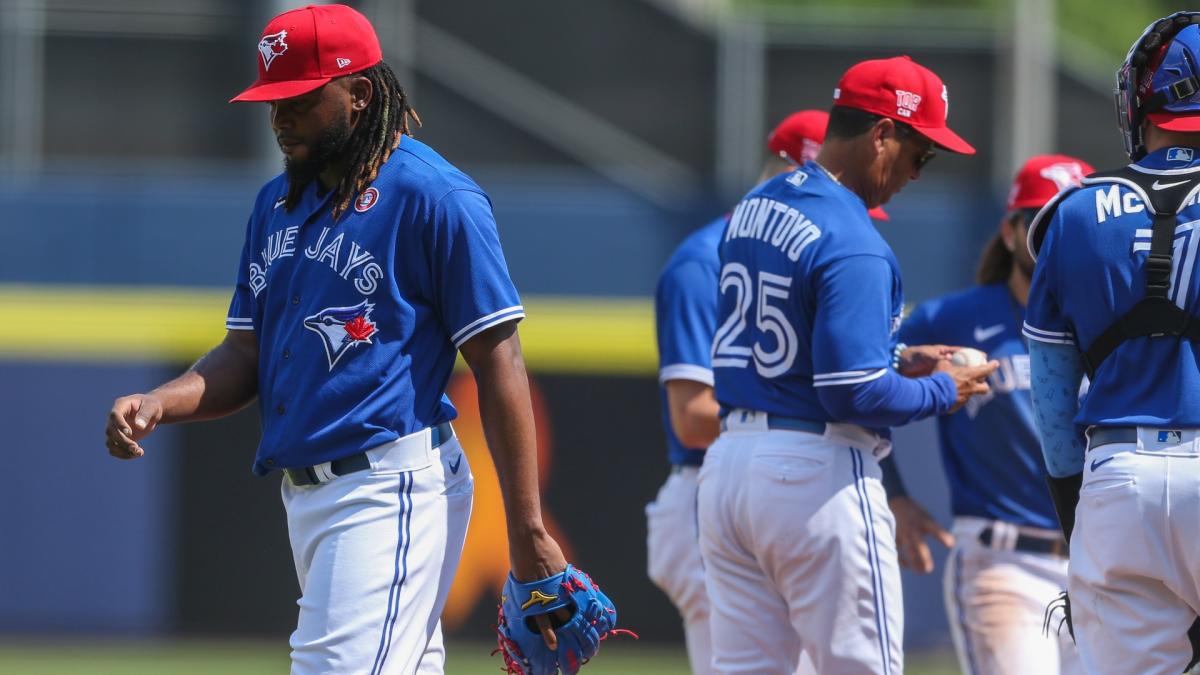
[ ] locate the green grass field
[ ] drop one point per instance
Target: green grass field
(194, 657)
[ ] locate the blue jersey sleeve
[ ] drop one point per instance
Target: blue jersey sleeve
(243, 312)
(851, 336)
(686, 319)
(471, 285)
(1044, 319)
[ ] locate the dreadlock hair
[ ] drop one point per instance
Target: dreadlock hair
(378, 133)
(383, 122)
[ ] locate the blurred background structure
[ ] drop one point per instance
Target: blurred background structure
(603, 131)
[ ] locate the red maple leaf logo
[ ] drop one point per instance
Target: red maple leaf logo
(278, 47)
(359, 328)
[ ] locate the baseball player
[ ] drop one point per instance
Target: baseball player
(1114, 295)
(686, 317)
(368, 264)
(795, 532)
(1008, 559)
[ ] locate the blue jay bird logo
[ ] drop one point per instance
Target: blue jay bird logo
(341, 328)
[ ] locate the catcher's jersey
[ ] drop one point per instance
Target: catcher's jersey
(685, 314)
(990, 447)
(358, 322)
(810, 296)
(1091, 270)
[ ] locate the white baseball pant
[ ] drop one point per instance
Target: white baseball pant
(996, 600)
(799, 551)
(375, 554)
(1134, 576)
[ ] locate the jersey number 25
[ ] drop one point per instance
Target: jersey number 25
(769, 319)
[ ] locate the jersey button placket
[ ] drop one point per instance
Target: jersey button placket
(287, 353)
(295, 299)
(280, 409)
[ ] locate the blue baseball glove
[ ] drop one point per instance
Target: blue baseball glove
(587, 616)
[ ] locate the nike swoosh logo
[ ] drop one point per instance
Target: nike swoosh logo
(455, 464)
(1097, 463)
(1163, 186)
(983, 334)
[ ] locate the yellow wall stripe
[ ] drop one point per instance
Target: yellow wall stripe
(136, 323)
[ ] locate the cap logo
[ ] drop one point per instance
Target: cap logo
(342, 63)
(809, 149)
(946, 100)
(907, 103)
(837, 93)
(1064, 175)
(271, 46)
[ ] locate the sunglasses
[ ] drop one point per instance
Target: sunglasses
(904, 132)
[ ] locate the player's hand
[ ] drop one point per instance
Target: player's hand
(968, 380)
(922, 360)
(131, 419)
(536, 556)
(913, 525)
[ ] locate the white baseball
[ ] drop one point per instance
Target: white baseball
(968, 357)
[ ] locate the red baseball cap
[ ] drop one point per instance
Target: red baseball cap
(305, 48)
(799, 136)
(1043, 177)
(798, 139)
(905, 91)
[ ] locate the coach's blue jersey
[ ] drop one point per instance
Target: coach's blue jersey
(685, 316)
(810, 296)
(1091, 270)
(358, 322)
(990, 447)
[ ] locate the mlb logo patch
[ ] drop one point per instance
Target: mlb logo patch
(797, 178)
(1170, 435)
(1179, 155)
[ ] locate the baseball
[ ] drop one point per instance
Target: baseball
(968, 357)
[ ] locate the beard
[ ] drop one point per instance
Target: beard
(328, 148)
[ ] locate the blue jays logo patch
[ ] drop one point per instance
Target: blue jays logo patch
(1179, 155)
(271, 46)
(341, 328)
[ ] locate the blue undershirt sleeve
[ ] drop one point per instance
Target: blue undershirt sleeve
(890, 400)
(1056, 371)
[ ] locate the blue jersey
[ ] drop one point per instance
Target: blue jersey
(990, 447)
(1091, 270)
(358, 322)
(810, 296)
(685, 315)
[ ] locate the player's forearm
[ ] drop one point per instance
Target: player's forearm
(507, 416)
(695, 413)
(890, 400)
(1056, 372)
(221, 382)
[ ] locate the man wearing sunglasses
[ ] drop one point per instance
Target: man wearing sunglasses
(795, 530)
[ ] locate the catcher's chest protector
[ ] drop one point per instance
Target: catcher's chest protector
(1164, 196)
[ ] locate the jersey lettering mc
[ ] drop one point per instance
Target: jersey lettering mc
(1091, 270)
(810, 296)
(358, 322)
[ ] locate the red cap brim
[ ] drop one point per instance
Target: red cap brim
(276, 91)
(1170, 122)
(944, 138)
(878, 213)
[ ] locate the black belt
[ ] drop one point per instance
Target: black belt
(1099, 436)
(1028, 544)
(307, 475)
